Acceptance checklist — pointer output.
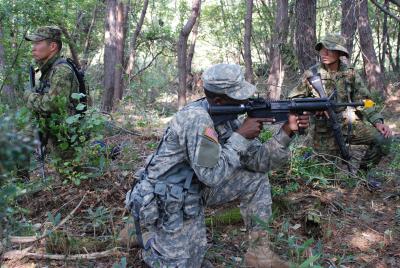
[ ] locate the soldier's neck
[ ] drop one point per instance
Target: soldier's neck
(49, 58)
(333, 67)
(45, 65)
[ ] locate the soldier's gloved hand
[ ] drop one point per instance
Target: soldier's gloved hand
(384, 129)
(295, 122)
(252, 127)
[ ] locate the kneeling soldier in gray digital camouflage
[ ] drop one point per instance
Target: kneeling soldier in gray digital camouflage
(204, 161)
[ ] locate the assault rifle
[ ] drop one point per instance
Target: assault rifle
(280, 109)
(39, 136)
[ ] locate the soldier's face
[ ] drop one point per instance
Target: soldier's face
(42, 50)
(329, 56)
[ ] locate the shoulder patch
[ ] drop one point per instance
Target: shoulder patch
(210, 133)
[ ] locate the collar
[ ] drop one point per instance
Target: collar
(45, 67)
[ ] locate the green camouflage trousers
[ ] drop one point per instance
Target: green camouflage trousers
(361, 134)
(187, 247)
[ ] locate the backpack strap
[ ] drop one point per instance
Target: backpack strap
(80, 77)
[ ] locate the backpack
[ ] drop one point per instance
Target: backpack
(80, 75)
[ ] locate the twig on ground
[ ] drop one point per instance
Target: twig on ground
(19, 254)
(32, 239)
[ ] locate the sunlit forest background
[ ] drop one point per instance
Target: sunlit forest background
(143, 60)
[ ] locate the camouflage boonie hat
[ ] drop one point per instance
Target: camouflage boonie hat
(227, 79)
(333, 42)
(45, 32)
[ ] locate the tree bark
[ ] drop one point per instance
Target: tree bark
(114, 43)
(390, 54)
(277, 72)
(192, 46)
(120, 27)
(248, 20)
(182, 51)
(306, 11)
(6, 89)
(132, 56)
(373, 72)
(384, 38)
(71, 45)
(348, 23)
(398, 49)
(89, 38)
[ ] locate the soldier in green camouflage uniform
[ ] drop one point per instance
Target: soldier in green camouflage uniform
(51, 98)
(366, 125)
(203, 161)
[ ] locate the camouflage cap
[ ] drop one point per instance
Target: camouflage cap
(227, 79)
(45, 32)
(333, 41)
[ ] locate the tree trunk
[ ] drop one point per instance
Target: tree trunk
(120, 28)
(277, 72)
(192, 46)
(110, 43)
(390, 54)
(384, 38)
(132, 56)
(182, 51)
(86, 49)
(190, 78)
(348, 23)
(306, 11)
(5, 89)
(398, 49)
(373, 72)
(71, 45)
(247, 42)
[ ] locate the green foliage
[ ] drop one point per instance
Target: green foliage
(73, 150)
(98, 217)
(279, 190)
(305, 166)
(265, 135)
(16, 147)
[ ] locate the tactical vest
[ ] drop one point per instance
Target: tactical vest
(165, 201)
(44, 85)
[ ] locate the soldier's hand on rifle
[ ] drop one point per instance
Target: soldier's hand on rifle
(322, 113)
(384, 129)
(295, 122)
(252, 127)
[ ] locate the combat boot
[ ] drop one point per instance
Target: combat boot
(259, 254)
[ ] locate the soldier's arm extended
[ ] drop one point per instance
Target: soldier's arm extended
(360, 92)
(272, 154)
(211, 162)
(57, 98)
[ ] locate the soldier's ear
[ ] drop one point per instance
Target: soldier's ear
(53, 46)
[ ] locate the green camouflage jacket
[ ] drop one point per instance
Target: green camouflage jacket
(348, 83)
(56, 84)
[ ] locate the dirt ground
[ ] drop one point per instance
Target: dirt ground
(341, 225)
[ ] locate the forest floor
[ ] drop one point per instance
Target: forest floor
(330, 223)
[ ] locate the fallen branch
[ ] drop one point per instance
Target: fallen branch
(14, 254)
(32, 239)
